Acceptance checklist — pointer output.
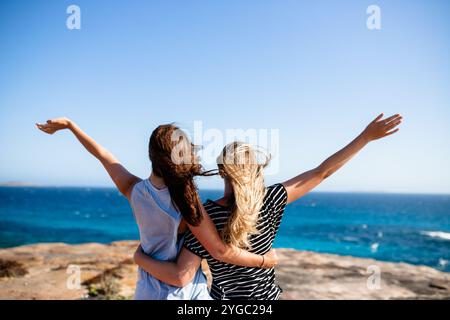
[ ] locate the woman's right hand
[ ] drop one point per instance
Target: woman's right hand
(54, 125)
(270, 259)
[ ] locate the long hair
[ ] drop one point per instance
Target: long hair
(173, 159)
(242, 165)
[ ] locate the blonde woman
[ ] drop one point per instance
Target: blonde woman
(249, 215)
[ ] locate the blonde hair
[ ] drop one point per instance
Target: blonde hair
(242, 165)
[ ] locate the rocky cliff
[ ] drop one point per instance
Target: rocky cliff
(50, 271)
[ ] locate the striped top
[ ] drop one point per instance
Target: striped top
(232, 282)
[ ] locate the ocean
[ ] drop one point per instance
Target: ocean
(390, 227)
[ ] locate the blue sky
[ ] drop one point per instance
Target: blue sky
(311, 69)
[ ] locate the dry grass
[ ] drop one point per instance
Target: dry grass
(11, 269)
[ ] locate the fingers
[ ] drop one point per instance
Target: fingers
(393, 124)
(387, 120)
(386, 127)
(40, 126)
(396, 120)
(45, 128)
(391, 132)
(392, 118)
(380, 116)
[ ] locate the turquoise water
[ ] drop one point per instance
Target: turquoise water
(390, 227)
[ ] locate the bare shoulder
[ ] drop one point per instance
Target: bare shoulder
(134, 184)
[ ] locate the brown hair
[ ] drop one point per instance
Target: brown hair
(174, 160)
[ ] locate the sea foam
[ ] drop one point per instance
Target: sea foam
(437, 234)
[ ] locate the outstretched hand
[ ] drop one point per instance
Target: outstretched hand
(54, 125)
(379, 128)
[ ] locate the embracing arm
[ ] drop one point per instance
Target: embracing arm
(305, 182)
(123, 179)
(182, 271)
(177, 274)
(207, 234)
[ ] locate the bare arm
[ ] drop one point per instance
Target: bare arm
(182, 271)
(123, 179)
(206, 233)
(305, 182)
(177, 274)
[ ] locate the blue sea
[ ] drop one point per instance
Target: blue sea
(390, 227)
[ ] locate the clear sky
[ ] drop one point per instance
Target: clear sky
(311, 69)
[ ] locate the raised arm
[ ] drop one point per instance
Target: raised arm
(123, 179)
(305, 182)
(207, 234)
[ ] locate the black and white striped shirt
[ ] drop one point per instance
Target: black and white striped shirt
(232, 282)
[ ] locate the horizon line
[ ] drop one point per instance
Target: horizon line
(34, 185)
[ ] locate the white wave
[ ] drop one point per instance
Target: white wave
(437, 234)
(374, 247)
(443, 263)
(350, 239)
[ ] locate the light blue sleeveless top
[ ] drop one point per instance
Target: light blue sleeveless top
(158, 223)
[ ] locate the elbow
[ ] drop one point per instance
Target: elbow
(182, 279)
(322, 173)
(220, 253)
(326, 175)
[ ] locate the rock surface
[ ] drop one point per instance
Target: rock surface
(107, 272)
